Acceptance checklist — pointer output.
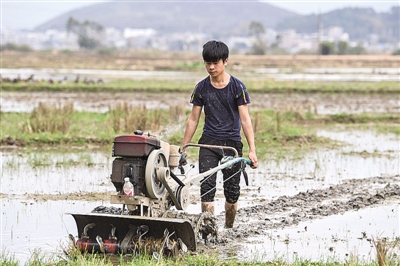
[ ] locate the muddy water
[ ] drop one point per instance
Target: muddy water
(340, 236)
(53, 173)
(49, 172)
(29, 225)
(320, 103)
(288, 74)
(28, 211)
(101, 102)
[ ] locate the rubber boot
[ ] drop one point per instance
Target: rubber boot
(207, 226)
(207, 207)
(230, 214)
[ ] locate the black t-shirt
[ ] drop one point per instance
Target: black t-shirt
(222, 119)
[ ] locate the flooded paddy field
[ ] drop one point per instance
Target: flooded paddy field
(326, 204)
(279, 74)
(321, 103)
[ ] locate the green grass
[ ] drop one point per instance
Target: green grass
(273, 130)
(276, 132)
(394, 128)
(254, 86)
(7, 259)
(362, 118)
(113, 86)
(321, 87)
(46, 158)
(39, 258)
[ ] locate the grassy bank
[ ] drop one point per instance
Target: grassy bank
(276, 132)
(161, 86)
(385, 256)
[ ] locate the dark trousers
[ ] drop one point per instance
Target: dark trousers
(210, 158)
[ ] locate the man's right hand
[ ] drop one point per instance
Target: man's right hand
(253, 159)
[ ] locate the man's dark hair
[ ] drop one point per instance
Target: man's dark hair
(213, 51)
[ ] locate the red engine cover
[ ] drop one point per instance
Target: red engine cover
(134, 145)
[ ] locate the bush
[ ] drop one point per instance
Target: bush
(396, 52)
(15, 47)
(327, 48)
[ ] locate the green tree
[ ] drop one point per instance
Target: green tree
(15, 47)
(89, 33)
(357, 50)
(396, 52)
(259, 48)
(327, 48)
(343, 48)
(257, 30)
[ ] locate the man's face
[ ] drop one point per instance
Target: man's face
(215, 68)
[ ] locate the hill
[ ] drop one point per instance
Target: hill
(219, 18)
(360, 23)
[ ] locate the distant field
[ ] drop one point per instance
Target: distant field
(161, 60)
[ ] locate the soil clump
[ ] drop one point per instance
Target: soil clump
(287, 211)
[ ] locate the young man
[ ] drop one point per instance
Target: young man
(225, 100)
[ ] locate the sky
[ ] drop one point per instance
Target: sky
(27, 14)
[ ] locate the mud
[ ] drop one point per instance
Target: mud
(278, 202)
(353, 194)
(101, 101)
(286, 211)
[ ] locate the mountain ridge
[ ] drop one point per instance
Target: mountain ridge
(358, 22)
(229, 18)
(214, 17)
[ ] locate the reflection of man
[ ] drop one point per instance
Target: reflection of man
(225, 100)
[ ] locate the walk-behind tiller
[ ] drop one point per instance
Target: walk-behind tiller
(143, 224)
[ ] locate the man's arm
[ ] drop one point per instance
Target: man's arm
(249, 133)
(191, 124)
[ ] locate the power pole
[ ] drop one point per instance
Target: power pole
(319, 34)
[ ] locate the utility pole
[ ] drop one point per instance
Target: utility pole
(319, 34)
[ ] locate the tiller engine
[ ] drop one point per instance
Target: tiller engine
(142, 224)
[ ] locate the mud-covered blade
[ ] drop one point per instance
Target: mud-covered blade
(123, 223)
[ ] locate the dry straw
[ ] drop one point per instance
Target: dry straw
(51, 118)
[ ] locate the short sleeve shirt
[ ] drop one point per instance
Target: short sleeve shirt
(222, 120)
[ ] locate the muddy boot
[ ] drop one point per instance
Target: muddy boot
(207, 226)
(230, 214)
(207, 207)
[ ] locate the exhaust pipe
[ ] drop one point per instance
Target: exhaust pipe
(85, 244)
